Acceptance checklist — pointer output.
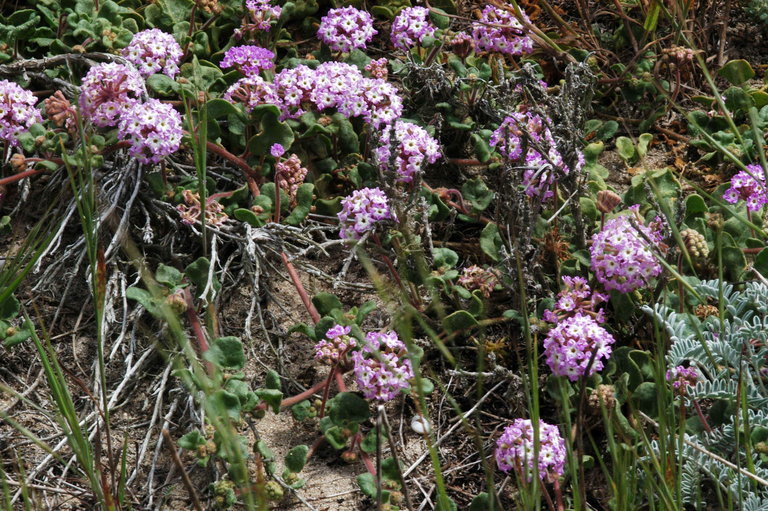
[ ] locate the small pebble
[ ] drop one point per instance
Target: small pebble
(420, 424)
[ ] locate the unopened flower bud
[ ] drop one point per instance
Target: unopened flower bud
(607, 201)
(695, 243)
(18, 162)
(273, 490)
(603, 395)
(349, 456)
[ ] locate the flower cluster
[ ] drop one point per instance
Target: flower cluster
(576, 298)
(381, 367)
(462, 45)
(261, 14)
(346, 28)
(108, 91)
(749, 187)
(410, 27)
(251, 91)
(250, 60)
(337, 341)
(523, 129)
(414, 147)
(290, 175)
(682, 377)
(60, 111)
(153, 129)
(17, 112)
(154, 51)
(622, 257)
(190, 212)
(509, 39)
(294, 88)
(361, 211)
(573, 343)
(474, 277)
(516, 446)
(378, 68)
(331, 85)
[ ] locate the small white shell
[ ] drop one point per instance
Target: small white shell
(420, 424)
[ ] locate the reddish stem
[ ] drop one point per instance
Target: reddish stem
(300, 289)
(197, 328)
(327, 390)
(21, 175)
(368, 462)
(239, 162)
(340, 381)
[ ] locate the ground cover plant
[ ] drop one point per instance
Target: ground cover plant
(395, 256)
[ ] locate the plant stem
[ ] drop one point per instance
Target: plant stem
(300, 288)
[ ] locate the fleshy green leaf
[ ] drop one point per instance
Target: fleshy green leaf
(226, 353)
(296, 458)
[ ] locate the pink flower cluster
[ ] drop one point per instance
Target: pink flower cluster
(250, 60)
(515, 450)
(499, 30)
(414, 148)
(252, 91)
(576, 298)
(261, 14)
(381, 367)
(17, 112)
(529, 130)
(337, 341)
(682, 377)
(749, 187)
(575, 342)
(378, 68)
(331, 85)
(622, 258)
(154, 51)
(361, 211)
(410, 27)
(290, 175)
(474, 277)
(153, 129)
(108, 91)
(346, 28)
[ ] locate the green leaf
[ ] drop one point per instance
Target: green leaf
(302, 411)
(21, 335)
(303, 204)
(335, 437)
(439, 18)
(218, 108)
(761, 262)
(459, 320)
(480, 503)
(224, 403)
(490, 242)
(347, 407)
(9, 308)
(226, 353)
(272, 380)
(272, 397)
(444, 258)
(477, 193)
(643, 142)
(367, 484)
(273, 131)
(296, 458)
(144, 298)
(482, 149)
(694, 206)
(197, 272)
(737, 98)
(626, 148)
(325, 303)
(262, 448)
(169, 276)
(369, 442)
(737, 72)
(191, 440)
(607, 130)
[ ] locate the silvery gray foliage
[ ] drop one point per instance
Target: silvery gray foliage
(729, 355)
